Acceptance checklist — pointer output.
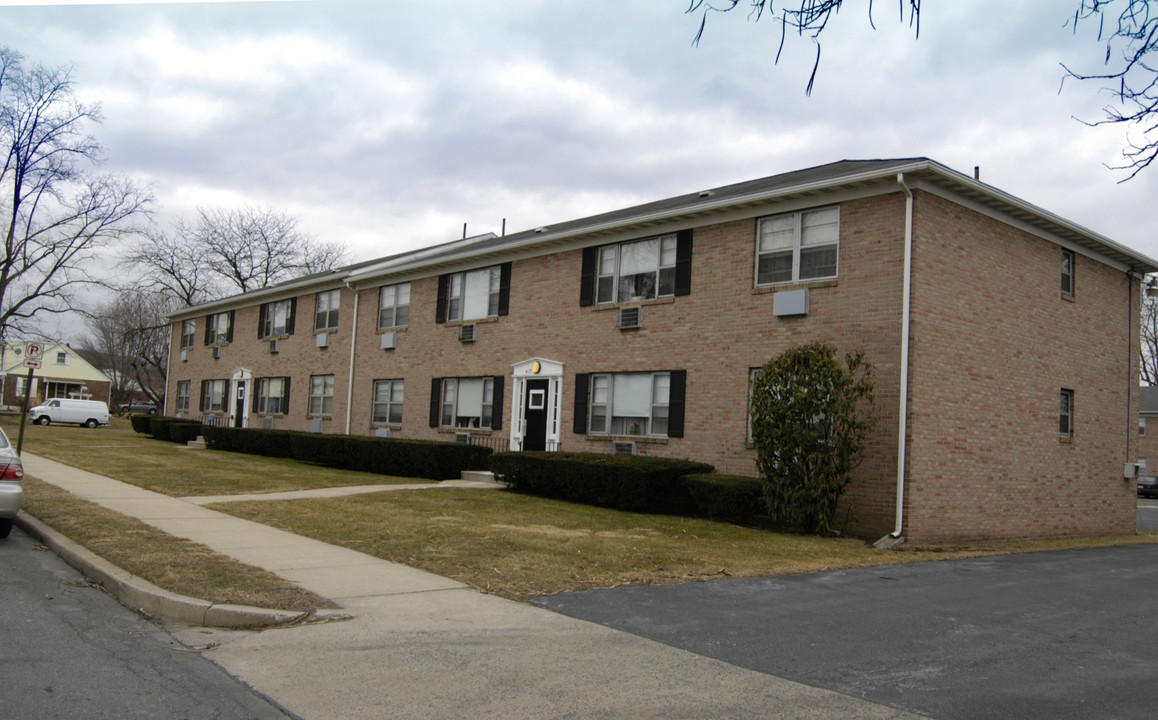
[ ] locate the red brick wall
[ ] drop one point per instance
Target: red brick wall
(993, 344)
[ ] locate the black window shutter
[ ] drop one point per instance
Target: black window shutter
(587, 276)
(229, 335)
(504, 289)
(675, 403)
(289, 323)
(201, 405)
(262, 315)
(435, 401)
(285, 396)
(581, 384)
(683, 278)
(208, 329)
(440, 305)
(497, 403)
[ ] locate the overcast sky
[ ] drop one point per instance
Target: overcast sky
(387, 125)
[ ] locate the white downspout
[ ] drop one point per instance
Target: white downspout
(906, 311)
(353, 347)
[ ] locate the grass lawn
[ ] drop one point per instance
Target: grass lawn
(517, 546)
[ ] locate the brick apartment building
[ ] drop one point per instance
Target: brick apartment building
(1014, 330)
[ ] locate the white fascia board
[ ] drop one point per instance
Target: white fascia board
(335, 281)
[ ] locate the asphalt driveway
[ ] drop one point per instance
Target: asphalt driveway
(1067, 634)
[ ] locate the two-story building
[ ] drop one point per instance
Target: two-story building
(1003, 338)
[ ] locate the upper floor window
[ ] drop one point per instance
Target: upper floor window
(326, 310)
(1066, 414)
(322, 395)
(387, 405)
(272, 396)
(61, 358)
(219, 328)
(475, 294)
(1067, 272)
(637, 270)
(474, 403)
(188, 332)
(394, 305)
(798, 246)
(277, 318)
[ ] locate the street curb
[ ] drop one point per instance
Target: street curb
(146, 598)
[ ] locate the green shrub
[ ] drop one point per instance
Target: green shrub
(637, 484)
(140, 424)
(725, 497)
(159, 425)
(183, 432)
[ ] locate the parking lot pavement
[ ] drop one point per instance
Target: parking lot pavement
(1065, 634)
(1147, 514)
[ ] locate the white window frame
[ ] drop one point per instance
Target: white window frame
(1068, 267)
(386, 403)
(266, 403)
(183, 389)
(1066, 415)
(276, 312)
(602, 419)
(322, 395)
(326, 306)
(188, 333)
(61, 358)
(216, 390)
(1141, 427)
(612, 283)
(451, 405)
(465, 289)
(801, 244)
(394, 306)
(219, 328)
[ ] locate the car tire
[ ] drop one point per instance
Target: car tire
(5, 527)
(43, 420)
(153, 411)
(91, 423)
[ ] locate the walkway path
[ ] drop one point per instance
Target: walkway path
(423, 646)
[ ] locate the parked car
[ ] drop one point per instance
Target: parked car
(147, 407)
(11, 484)
(89, 413)
(1147, 486)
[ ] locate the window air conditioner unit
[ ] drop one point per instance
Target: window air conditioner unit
(323, 340)
(317, 426)
(273, 348)
(389, 341)
(216, 353)
(184, 356)
(629, 318)
(468, 333)
(382, 432)
(622, 448)
(463, 438)
(267, 423)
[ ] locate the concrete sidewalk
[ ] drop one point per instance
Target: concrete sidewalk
(420, 645)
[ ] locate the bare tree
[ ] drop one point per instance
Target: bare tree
(130, 336)
(230, 251)
(1129, 29)
(1149, 335)
(55, 210)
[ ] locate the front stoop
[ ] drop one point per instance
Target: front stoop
(198, 444)
(478, 476)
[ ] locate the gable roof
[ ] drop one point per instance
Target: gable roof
(76, 367)
(819, 185)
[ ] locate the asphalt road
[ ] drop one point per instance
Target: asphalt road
(1053, 635)
(68, 650)
(1147, 514)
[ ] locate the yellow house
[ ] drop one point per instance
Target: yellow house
(63, 373)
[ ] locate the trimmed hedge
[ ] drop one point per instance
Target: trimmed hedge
(405, 458)
(636, 484)
(159, 425)
(140, 424)
(183, 432)
(726, 497)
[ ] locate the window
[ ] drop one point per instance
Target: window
(61, 358)
(468, 403)
(1142, 427)
(322, 395)
(188, 332)
(183, 395)
(474, 295)
(393, 305)
(272, 396)
(1066, 416)
(219, 328)
(387, 407)
(798, 246)
(630, 404)
(1067, 272)
(326, 310)
(213, 395)
(22, 386)
(277, 318)
(637, 270)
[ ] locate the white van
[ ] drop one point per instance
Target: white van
(89, 413)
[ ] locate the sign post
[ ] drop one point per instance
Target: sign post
(32, 353)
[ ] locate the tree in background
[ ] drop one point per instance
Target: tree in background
(810, 417)
(1149, 334)
(225, 252)
(129, 341)
(1129, 29)
(54, 210)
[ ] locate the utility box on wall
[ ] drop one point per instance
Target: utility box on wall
(790, 302)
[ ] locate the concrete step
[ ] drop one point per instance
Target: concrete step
(198, 444)
(478, 475)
